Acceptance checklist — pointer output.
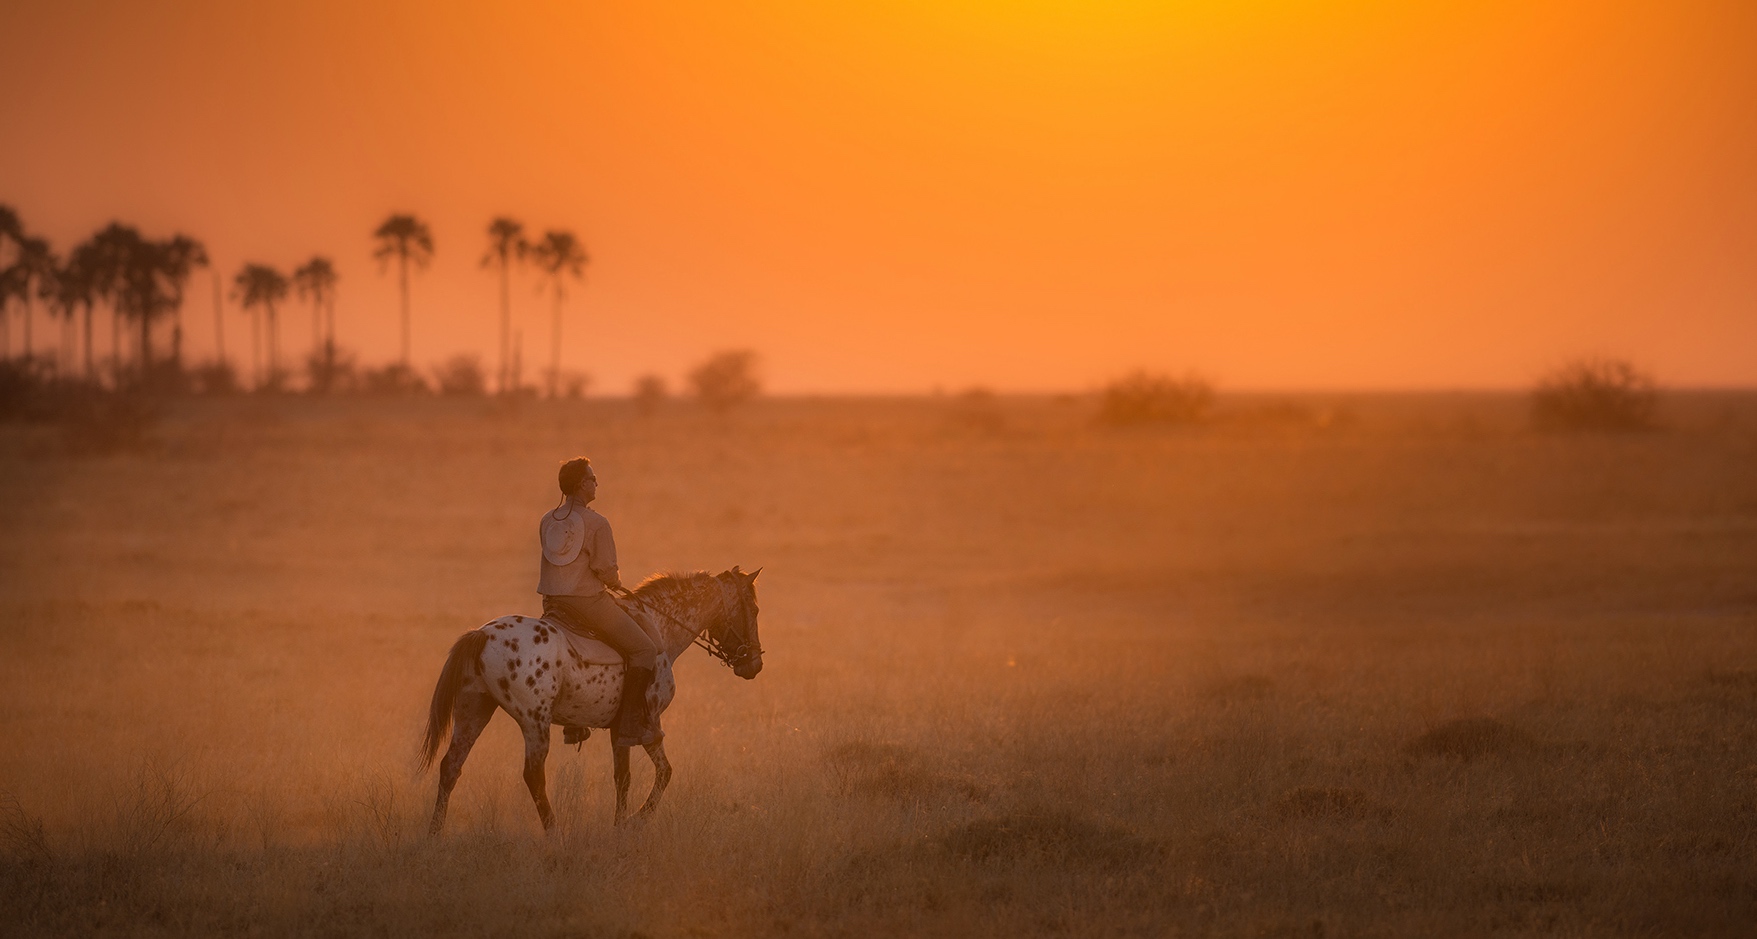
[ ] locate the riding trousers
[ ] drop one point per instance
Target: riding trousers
(604, 618)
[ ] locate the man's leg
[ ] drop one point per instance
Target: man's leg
(637, 724)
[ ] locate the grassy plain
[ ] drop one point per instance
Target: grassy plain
(1383, 666)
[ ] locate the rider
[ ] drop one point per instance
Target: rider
(579, 563)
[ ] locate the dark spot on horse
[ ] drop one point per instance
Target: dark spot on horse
(531, 681)
(505, 685)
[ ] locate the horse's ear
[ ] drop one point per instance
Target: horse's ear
(751, 577)
(734, 570)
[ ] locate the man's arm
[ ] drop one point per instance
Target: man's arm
(604, 557)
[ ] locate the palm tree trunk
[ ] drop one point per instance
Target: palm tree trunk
(403, 278)
(27, 327)
(256, 347)
(219, 323)
(91, 373)
(555, 346)
(505, 319)
(274, 348)
(146, 345)
(116, 344)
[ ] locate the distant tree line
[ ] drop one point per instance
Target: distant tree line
(140, 284)
(136, 286)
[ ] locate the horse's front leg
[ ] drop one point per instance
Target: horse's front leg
(620, 758)
(661, 779)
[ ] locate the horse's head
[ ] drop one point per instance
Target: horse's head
(736, 634)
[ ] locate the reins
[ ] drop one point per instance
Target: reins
(709, 644)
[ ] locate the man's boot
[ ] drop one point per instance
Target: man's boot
(636, 723)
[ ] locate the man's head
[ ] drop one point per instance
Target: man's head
(577, 479)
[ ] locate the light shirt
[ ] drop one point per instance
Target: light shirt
(587, 573)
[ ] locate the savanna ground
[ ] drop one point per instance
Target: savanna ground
(1379, 666)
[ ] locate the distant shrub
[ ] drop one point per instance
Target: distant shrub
(574, 384)
(649, 392)
(214, 378)
(1144, 398)
(727, 379)
(20, 386)
(1595, 394)
(977, 408)
(461, 375)
(276, 380)
(329, 369)
(392, 379)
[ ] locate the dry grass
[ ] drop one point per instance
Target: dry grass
(1415, 673)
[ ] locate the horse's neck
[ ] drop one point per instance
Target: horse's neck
(686, 611)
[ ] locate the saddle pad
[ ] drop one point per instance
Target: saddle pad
(598, 652)
(593, 651)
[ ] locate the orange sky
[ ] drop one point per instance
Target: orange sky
(890, 196)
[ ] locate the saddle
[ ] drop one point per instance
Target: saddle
(587, 645)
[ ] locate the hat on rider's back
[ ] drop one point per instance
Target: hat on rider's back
(564, 533)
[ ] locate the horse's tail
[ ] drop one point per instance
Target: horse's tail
(466, 650)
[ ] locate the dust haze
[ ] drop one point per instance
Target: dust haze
(1374, 665)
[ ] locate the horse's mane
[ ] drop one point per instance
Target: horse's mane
(669, 583)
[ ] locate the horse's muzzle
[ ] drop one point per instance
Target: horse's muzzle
(748, 668)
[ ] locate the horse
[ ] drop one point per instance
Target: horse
(527, 667)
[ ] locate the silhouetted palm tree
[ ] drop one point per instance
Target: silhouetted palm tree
(11, 235)
(409, 240)
(559, 256)
(258, 285)
(506, 244)
(316, 281)
(26, 278)
(87, 282)
(174, 261)
(109, 252)
(69, 290)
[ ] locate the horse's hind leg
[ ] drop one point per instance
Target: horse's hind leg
(620, 759)
(536, 754)
(468, 717)
(661, 779)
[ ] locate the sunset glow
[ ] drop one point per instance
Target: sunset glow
(889, 197)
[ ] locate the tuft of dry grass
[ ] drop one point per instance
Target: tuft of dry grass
(1471, 738)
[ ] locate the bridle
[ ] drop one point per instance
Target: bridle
(732, 656)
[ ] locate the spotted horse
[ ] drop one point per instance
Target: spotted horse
(530, 668)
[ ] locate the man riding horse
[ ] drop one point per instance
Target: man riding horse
(578, 571)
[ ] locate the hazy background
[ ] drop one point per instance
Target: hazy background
(893, 195)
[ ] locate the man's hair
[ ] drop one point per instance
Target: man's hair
(571, 473)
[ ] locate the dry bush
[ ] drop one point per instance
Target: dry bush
(330, 369)
(649, 392)
(726, 379)
(214, 378)
(393, 379)
(1595, 394)
(1145, 398)
(461, 375)
(977, 408)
